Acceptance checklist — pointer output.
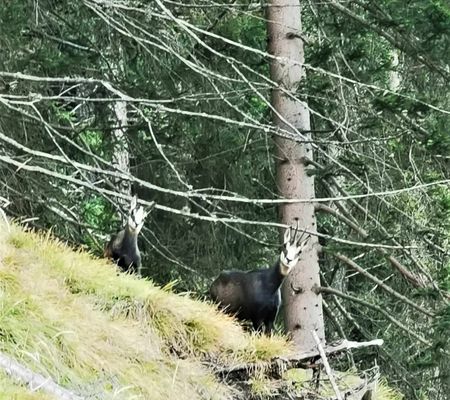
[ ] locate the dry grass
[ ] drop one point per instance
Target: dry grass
(74, 318)
(104, 334)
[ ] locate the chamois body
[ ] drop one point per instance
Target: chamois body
(255, 295)
(123, 250)
(123, 247)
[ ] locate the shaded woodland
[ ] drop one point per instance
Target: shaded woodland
(172, 101)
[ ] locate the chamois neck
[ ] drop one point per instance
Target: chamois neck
(276, 276)
(130, 235)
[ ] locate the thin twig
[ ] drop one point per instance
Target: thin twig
(327, 366)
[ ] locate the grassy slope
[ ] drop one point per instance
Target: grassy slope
(102, 334)
(72, 317)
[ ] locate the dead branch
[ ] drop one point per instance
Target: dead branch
(402, 269)
(406, 329)
(347, 221)
(106, 192)
(296, 359)
(33, 380)
(380, 283)
(408, 275)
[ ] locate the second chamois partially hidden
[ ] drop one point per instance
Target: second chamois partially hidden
(123, 247)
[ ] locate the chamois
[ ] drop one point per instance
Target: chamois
(255, 295)
(123, 247)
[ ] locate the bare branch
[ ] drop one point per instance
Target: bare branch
(401, 268)
(34, 380)
(380, 283)
(300, 358)
(395, 321)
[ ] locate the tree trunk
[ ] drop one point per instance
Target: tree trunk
(121, 151)
(394, 75)
(303, 307)
(121, 154)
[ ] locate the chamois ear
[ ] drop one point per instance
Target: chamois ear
(139, 215)
(147, 210)
(287, 235)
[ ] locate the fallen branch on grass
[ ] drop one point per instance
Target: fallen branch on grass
(33, 380)
(303, 358)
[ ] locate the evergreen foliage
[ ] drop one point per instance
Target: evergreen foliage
(195, 77)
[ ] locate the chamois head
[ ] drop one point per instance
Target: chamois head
(292, 249)
(136, 216)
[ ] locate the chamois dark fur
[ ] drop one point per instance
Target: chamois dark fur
(123, 247)
(255, 295)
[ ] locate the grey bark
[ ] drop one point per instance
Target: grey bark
(303, 307)
(121, 150)
(121, 153)
(394, 75)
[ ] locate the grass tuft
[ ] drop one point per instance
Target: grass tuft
(384, 392)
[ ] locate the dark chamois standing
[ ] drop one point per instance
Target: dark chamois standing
(123, 247)
(255, 295)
